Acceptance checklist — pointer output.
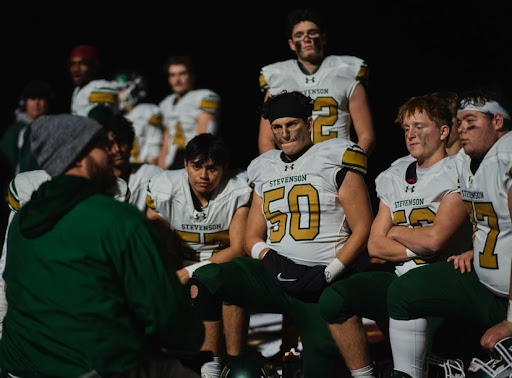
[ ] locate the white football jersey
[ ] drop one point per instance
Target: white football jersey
(330, 87)
(205, 232)
(305, 220)
(485, 194)
(147, 123)
(415, 203)
(180, 116)
(138, 183)
(93, 93)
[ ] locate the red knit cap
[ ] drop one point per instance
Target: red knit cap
(85, 52)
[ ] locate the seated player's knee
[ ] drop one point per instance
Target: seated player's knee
(207, 304)
(397, 299)
(331, 305)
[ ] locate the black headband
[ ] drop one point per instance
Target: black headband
(287, 106)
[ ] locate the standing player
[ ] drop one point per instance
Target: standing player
(90, 90)
(145, 117)
(478, 289)
(420, 210)
(336, 83)
(186, 112)
(309, 219)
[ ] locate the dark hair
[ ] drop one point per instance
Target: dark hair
(121, 127)
(36, 89)
(294, 104)
(179, 59)
(307, 14)
(206, 146)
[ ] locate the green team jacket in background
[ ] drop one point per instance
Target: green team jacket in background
(87, 287)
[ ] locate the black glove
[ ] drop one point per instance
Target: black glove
(302, 282)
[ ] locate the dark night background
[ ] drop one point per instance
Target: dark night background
(411, 47)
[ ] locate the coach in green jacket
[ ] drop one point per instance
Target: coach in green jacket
(87, 288)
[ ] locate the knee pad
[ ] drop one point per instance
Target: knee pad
(397, 301)
(207, 304)
(331, 306)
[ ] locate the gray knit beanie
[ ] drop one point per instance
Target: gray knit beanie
(58, 140)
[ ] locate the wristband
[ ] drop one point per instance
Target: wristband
(410, 253)
(333, 270)
(257, 248)
(509, 312)
(193, 267)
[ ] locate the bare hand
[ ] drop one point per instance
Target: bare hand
(183, 276)
(463, 261)
(495, 334)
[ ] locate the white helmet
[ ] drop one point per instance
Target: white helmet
(500, 364)
(131, 86)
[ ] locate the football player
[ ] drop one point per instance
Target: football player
(478, 289)
(186, 112)
(309, 220)
(335, 82)
(205, 206)
(145, 117)
(89, 90)
(423, 194)
(453, 145)
(121, 134)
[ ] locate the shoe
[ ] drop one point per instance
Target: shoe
(443, 368)
(211, 369)
(399, 374)
(498, 366)
(250, 364)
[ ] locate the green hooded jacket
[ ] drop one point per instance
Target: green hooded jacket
(88, 288)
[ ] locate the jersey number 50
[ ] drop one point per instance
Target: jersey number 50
(303, 201)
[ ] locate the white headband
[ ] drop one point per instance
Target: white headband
(489, 107)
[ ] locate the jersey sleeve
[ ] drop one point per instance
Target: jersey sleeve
(159, 194)
(23, 185)
(344, 153)
(241, 187)
(505, 161)
(209, 102)
(103, 92)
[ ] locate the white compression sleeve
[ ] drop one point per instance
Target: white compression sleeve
(408, 344)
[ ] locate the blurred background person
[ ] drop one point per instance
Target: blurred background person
(186, 112)
(90, 90)
(145, 117)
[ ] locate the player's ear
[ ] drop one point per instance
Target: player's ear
(499, 121)
(444, 132)
(310, 123)
(291, 45)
